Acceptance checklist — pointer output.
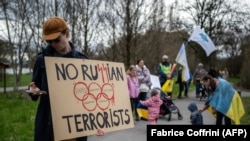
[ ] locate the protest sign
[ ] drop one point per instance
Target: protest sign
(87, 95)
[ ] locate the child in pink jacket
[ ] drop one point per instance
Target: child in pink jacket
(153, 104)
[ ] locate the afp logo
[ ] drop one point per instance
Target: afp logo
(234, 132)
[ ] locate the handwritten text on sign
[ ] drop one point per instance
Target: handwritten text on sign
(87, 95)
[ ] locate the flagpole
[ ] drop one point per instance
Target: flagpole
(186, 44)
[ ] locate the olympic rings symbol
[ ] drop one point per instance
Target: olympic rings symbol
(94, 95)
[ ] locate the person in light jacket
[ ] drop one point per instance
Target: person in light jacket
(197, 76)
(133, 88)
(143, 75)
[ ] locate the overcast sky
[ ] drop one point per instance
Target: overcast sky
(3, 32)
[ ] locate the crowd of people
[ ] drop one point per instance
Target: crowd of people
(56, 33)
(212, 81)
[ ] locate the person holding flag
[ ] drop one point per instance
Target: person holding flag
(183, 85)
(224, 100)
(183, 73)
(165, 71)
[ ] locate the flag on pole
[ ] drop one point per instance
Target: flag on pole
(203, 40)
(182, 60)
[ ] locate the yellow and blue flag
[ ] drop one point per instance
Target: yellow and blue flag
(226, 100)
(142, 111)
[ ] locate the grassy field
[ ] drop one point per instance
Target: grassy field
(17, 117)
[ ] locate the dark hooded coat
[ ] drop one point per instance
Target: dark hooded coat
(195, 117)
(43, 120)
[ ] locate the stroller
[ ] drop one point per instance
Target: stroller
(168, 107)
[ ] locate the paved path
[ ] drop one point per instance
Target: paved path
(138, 133)
(11, 88)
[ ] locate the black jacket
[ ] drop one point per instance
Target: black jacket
(43, 121)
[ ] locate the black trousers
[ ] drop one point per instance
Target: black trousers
(134, 102)
(183, 86)
(219, 119)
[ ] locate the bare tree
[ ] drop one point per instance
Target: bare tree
(143, 33)
(244, 81)
(81, 16)
(22, 33)
(129, 12)
(126, 30)
(216, 17)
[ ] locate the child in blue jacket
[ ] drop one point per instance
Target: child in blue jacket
(196, 116)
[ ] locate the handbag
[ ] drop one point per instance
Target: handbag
(167, 87)
(144, 87)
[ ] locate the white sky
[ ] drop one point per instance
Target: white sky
(3, 31)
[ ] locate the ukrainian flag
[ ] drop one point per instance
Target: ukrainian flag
(226, 100)
(142, 111)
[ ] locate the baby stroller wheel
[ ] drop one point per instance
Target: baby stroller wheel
(169, 117)
(180, 117)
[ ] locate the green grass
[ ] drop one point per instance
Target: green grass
(176, 88)
(17, 116)
(246, 118)
(25, 80)
(233, 80)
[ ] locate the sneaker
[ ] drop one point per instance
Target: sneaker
(137, 119)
